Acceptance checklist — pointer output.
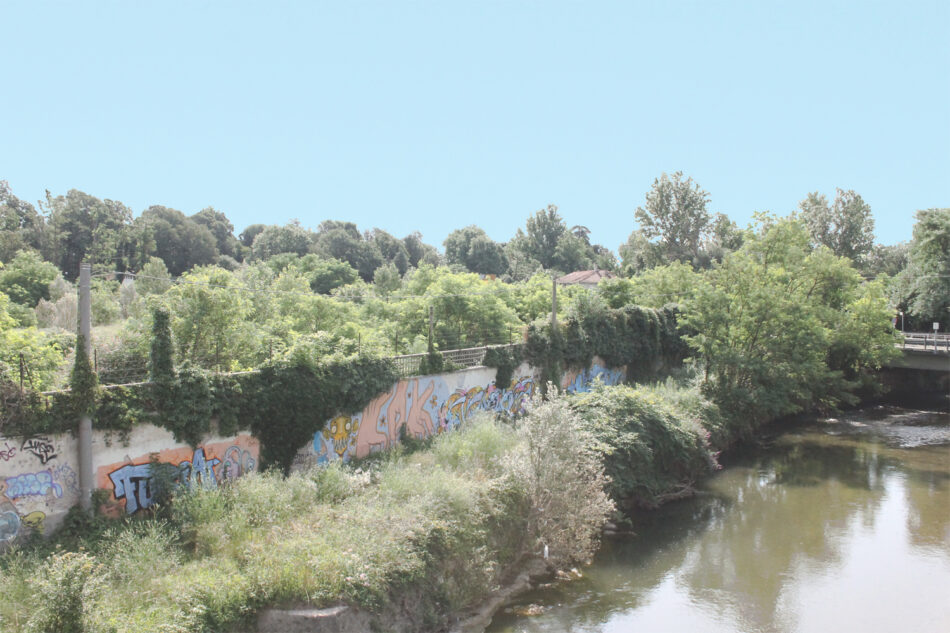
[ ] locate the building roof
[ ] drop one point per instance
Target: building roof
(586, 277)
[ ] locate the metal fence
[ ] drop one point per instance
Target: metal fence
(409, 364)
(926, 340)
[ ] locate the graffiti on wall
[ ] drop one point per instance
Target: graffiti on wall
(11, 520)
(133, 483)
(40, 447)
(418, 407)
(581, 381)
(7, 452)
(423, 406)
(38, 484)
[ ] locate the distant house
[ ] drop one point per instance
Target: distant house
(585, 278)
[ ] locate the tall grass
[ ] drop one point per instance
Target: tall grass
(410, 538)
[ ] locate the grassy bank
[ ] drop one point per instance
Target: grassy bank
(411, 537)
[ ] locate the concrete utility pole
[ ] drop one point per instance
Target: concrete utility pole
(553, 305)
(431, 326)
(85, 422)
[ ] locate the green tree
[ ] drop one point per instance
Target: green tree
(846, 226)
(43, 355)
(766, 323)
(887, 260)
(675, 214)
(26, 278)
(178, 241)
(342, 241)
(222, 230)
(84, 227)
(420, 252)
(638, 253)
(209, 320)
(153, 279)
(926, 280)
(248, 235)
(547, 241)
(391, 249)
(386, 279)
(471, 248)
(273, 240)
(21, 227)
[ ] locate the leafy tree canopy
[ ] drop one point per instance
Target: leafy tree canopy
(675, 214)
(178, 241)
(846, 226)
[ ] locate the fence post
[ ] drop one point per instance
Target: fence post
(21, 372)
(85, 422)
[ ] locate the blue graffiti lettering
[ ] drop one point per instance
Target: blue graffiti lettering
(199, 471)
(133, 483)
(33, 485)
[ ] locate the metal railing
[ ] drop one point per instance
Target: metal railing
(925, 341)
(409, 364)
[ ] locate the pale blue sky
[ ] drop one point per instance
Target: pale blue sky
(436, 115)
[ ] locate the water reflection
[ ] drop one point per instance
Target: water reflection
(840, 525)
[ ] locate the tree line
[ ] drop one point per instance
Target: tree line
(252, 297)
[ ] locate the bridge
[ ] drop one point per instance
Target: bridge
(924, 351)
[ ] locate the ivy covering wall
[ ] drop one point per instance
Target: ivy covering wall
(284, 403)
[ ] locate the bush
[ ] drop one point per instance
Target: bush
(649, 450)
(556, 464)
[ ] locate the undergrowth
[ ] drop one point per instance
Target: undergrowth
(411, 537)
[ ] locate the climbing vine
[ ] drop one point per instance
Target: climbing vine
(641, 339)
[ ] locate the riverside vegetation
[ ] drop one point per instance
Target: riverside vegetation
(778, 327)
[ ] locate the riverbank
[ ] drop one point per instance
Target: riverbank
(838, 523)
(406, 539)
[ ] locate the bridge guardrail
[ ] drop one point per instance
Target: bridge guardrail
(925, 340)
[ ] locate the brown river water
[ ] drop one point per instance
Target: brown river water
(836, 525)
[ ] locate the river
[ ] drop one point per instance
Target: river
(838, 524)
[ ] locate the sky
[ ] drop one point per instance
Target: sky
(431, 116)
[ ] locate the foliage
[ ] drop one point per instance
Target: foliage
(505, 360)
(210, 320)
(471, 248)
(649, 449)
(179, 241)
(21, 227)
(766, 320)
(412, 540)
(547, 240)
(564, 478)
(42, 353)
(654, 288)
(153, 278)
(273, 240)
(83, 382)
(846, 226)
(644, 340)
(675, 214)
(222, 230)
(85, 228)
(65, 586)
(161, 364)
(924, 286)
(288, 401)
(26, 278)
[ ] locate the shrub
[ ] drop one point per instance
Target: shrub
(649, 451)
(564, 479)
